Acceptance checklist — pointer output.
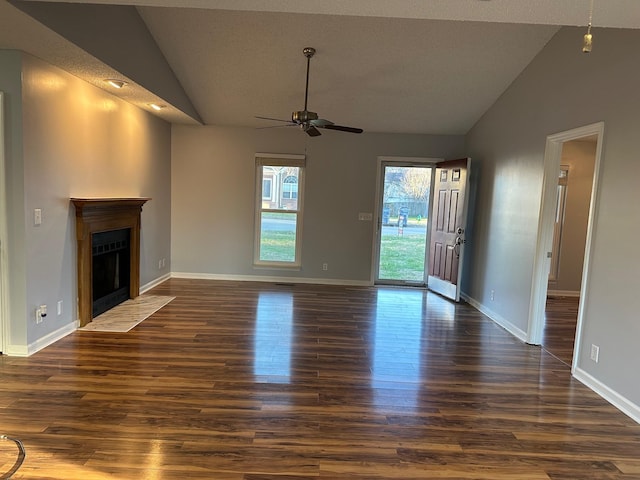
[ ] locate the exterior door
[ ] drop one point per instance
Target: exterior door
(448, 223)
(403, 210)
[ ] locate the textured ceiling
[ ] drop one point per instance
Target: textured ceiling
(380, 74)
(401, 66)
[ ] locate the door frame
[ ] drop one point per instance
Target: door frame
(4, 278)
(377, 212)
(552, 160)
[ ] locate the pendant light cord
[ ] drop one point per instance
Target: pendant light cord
(590, 17)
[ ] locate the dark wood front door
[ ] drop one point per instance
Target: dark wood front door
(448, 223)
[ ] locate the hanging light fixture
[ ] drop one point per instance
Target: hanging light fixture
(587, 41)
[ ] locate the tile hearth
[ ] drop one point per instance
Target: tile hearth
(128, 314)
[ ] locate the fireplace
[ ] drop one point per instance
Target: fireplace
(110, 270)
(108, 235)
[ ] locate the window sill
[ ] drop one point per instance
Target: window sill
(277, 266)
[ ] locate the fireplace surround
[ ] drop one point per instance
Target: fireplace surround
(97, 215)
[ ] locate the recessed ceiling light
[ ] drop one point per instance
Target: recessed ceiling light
(156, 106)
(115, 83)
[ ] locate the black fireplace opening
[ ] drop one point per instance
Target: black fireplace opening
(111, 257)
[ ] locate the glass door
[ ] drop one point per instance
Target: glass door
(402, 223)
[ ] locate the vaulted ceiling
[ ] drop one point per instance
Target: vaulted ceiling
(433, 66)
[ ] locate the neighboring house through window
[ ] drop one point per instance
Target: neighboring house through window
(266, 188)
(290, 187)
(279, 195)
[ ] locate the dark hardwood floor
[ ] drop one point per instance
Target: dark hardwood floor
(561, 315)
(255, 381)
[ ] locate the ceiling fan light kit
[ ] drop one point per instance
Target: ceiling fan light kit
(309, 121)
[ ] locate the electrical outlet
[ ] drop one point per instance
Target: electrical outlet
(60, 307)
(325, 266)
(41, 313)
(159, 264)
(493, 295)
(595, 353)
(164, 262)
(37, 216)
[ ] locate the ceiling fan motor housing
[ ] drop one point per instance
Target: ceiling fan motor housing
(303, 116)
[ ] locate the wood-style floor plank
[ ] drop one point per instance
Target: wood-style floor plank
(259, 381)
(561, 317)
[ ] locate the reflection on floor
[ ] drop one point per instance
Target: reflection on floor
(561, 316)
(263, 381)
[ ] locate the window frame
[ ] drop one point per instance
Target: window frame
(278, 160)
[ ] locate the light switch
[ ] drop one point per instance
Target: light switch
(37, 216)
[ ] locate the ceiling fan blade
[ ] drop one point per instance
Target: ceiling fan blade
(277, 126)
(312, 131)
(275, 119)
(320, 122)
(342, 128)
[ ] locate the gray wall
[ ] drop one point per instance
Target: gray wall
(213, 192)
(77, 141)
(560, 90)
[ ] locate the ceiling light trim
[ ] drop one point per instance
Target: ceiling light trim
(116, 83)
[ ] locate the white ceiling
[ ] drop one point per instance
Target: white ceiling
(429, 66)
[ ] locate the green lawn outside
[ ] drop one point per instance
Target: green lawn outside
(402, 257)
(278, 246)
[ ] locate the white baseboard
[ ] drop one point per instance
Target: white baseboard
(563, 293)
(614, 398)
(501, 321)
(154, 283)
(620, 402)
(271, 279)
(50, 338)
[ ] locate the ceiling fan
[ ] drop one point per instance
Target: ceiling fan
(306, 120)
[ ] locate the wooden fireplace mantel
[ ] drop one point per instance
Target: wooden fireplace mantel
(95, 215)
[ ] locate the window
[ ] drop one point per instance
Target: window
(266, 188)
(279, 194)
(290, 187)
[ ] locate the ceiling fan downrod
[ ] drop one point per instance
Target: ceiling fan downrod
(308, 52)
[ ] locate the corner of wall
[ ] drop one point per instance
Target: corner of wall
(496, 318)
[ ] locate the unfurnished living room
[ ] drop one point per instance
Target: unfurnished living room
(293, 240)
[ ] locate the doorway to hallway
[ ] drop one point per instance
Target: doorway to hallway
(539, 315)
(574, 190)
